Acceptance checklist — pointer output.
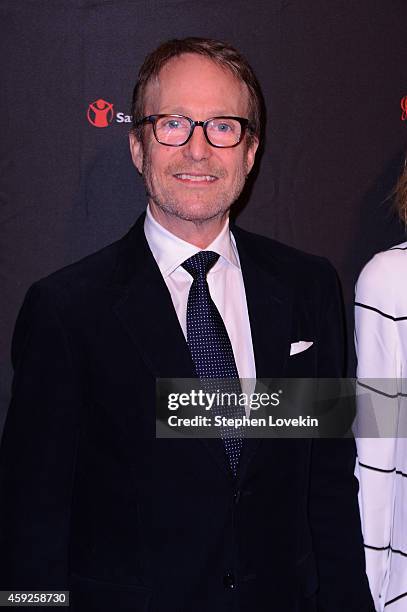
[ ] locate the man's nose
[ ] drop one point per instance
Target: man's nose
(197, 148)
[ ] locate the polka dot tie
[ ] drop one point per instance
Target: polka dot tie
(211, 348)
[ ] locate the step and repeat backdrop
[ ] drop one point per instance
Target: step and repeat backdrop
(334, 77)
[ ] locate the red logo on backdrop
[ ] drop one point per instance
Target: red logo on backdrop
(100, 113)
(403, 104)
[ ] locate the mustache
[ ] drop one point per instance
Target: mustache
(216, 171)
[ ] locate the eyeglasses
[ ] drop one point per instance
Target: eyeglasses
(176, 130)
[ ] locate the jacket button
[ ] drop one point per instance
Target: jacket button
(229, 581)
(237, 496)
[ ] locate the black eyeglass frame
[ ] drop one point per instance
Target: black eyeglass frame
(244, 124)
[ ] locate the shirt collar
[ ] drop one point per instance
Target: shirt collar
(170, 252)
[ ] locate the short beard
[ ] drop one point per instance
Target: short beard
(168, 202)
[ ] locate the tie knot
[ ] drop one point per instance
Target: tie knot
(199, 265)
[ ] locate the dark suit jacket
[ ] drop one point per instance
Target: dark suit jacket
(91, 502)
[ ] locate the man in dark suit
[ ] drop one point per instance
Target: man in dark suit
(90, 500)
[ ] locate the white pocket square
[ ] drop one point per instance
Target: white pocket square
(299, 347)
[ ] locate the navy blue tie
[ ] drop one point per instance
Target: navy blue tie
(210, 345)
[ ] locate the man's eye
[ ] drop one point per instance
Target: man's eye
(172, 124)
(224, 127)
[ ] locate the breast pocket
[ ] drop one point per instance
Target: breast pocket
(303, 364)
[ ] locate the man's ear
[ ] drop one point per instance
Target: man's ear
(136, 150)
(251, 153)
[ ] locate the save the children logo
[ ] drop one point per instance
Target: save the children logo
(101, 114)
(403, 104)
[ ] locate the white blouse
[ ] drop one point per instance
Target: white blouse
(381, 345)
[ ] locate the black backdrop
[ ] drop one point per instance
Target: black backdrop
(333, 75)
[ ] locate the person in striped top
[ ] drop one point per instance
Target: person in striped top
(381, 346)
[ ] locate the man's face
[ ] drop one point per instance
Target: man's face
(194, 182)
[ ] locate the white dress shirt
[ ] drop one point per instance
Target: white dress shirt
(225, 283)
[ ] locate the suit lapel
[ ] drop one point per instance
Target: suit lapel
(269, 305)
(146, 310)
